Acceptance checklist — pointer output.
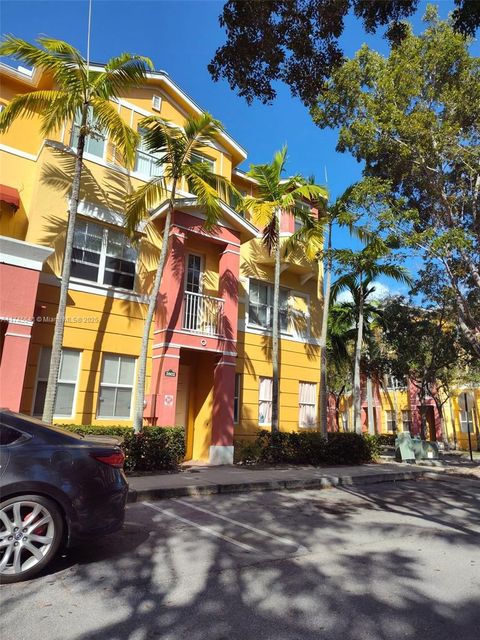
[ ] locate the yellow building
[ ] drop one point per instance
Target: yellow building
(210, 364)
(395, 406)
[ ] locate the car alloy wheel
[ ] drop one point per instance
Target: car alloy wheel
(30, 534)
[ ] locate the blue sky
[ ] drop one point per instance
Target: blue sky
(181, 36)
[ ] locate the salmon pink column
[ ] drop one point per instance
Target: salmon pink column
(170, 297)
(221, 449)
(166, 366)
(160, 406)
(14, 361)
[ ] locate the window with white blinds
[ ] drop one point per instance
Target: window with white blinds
(265, 401)
(307, 394)
(67, 382)
(116, 387)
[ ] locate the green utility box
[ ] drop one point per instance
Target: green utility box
(408, 449)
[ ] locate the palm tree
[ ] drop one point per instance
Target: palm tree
(86, 94)
(177, 152)
(363, 268)
(277, 196)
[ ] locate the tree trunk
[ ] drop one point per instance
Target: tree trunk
(357, 395)
(275, 332)
(323, 339)
(152, 304)
(423, 419)
(52, 384)
(371, 416)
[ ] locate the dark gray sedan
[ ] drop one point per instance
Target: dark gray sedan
(56, 488)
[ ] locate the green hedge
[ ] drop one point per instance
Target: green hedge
(154, 449)
(308, 448)
(386, 439)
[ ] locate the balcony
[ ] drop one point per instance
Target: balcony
(203, 314)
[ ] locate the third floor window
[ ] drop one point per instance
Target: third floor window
(103, 255)
(94, 143)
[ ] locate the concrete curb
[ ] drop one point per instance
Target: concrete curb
(324, 482)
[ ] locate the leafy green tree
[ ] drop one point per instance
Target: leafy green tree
(359, 270)
(297, 41)
(425, 346)
(277, 196)
(413, 118)
(176, 150)
(79, 91)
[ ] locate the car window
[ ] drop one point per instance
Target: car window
(9, 435)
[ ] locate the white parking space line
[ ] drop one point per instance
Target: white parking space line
(237, 523)
(211, 532)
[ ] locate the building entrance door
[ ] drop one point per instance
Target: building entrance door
(183, 392)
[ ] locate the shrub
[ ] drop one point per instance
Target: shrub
(154, 449)
(386, 439)
(309, 448)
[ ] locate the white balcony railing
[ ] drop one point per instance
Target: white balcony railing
(203, 314)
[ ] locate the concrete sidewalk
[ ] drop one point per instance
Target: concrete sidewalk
(235, 479)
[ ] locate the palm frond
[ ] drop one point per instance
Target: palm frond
(121, 73)
(141, 202)
(123, 136)
(202, 183)
(271, 234)
(56, 104)
(57, 57)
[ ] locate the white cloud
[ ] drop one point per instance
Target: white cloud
(381, 291)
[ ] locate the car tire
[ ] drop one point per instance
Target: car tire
(31, 530)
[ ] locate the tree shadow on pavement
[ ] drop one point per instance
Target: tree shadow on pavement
(180, 582)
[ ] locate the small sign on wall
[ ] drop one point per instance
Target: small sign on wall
(168, 401)
(170, 373)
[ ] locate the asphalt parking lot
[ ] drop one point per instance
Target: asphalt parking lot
(389, 561)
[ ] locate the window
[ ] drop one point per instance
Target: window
(406, 420)
(9, 435)
(236, 398)
(307, 393)
(156, 103)
(146, 161)
(391, 421)
(67, 382)
(116, 386)
(298, 315)
(260, 307)
(103, 255)
(199, 157)
(95, 142)
(395, 383)
(265, 401)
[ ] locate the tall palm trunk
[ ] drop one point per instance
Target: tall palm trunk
(52, 384)
(370, 413)
(152, 305)
(323, 338)
(275, 331)
(357, 395)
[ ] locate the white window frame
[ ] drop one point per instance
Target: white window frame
(103, 259)
(60, 381)
(269, 306)
(118, 385)
(292, 312)
(302, 405)
(156, 102)
(152, 157)
(86, 153)
(264, 400)
(237, 394)
(408, 423)
(202, 271)
(200, 157)
(390, 419)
